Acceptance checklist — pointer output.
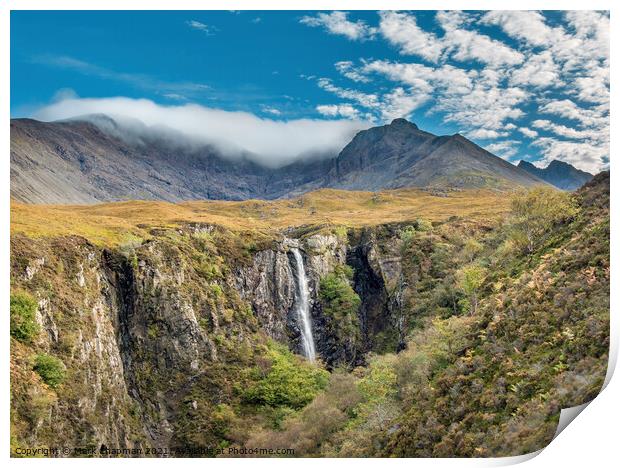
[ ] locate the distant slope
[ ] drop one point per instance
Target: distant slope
(559, 173)
(402, 155)
(76, 162)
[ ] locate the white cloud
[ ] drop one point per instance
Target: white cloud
(592, 117)
(422, 78)
(550, 69)
(504, 149)
(271, 110)
(467, 44)
(586, 156)
(528, 132)
(208, 30)
(486, 134)
(581, 57)
(540, 71)
(529, 26)
(338, 110)
(370, 101)
(565, 131)
(346, 69)
(337, 22)
(269, 142)
(401, 103)
(485, 106)
(458, 42)
(402, 30)
(398, 102)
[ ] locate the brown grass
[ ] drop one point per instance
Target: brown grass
(114, 223)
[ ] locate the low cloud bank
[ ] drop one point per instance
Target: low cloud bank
(271, 143)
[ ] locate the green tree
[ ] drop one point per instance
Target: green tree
(23, 326)
(536, 211)
(470, 279)
(50, 368)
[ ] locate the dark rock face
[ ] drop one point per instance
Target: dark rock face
(402, 155)
(269, 285)
(558, 173)
(81, 162)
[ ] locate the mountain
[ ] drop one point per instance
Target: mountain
(402, 155)
(78, 161)
(558, 173)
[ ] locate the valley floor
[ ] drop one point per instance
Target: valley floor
(111, 223)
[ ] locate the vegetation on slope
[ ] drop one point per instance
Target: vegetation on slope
(506, 323)
(490, 380)
(112, 224)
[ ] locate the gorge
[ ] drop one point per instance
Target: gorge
(189, 335)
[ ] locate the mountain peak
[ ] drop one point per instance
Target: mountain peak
(403, 123)
(558, 163)
(559, 173)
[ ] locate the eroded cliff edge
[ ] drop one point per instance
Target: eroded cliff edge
(143, 327)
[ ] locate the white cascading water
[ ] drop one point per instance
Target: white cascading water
(303, 308)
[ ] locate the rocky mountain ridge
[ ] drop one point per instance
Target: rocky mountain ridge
(76, 162)
(558, 173)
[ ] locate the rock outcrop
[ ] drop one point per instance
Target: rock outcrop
(143, 328)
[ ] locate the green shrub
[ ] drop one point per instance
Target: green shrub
(340, 302)
(407, 234)
(289, 381)
(24, 326)
(50, 368)
(423, 225)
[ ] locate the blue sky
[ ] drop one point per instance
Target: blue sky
(525, 85)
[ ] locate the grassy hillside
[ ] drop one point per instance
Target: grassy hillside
(503, 335)
(489, 314)
(115, 223)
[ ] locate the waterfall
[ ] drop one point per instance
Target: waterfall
(303, 307)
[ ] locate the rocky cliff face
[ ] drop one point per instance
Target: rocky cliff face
(143, 329)
(269, 285)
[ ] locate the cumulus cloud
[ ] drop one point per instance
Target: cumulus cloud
(503, 149)
(398, 102)
(551, 69)
(464, 43)
(402, 30)
(529, 26)
(271, 110)
(540, 71)
(368, 100)
(528, 132)
(563, 130)
(267, 142)
(587, 156)
(337, 22)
